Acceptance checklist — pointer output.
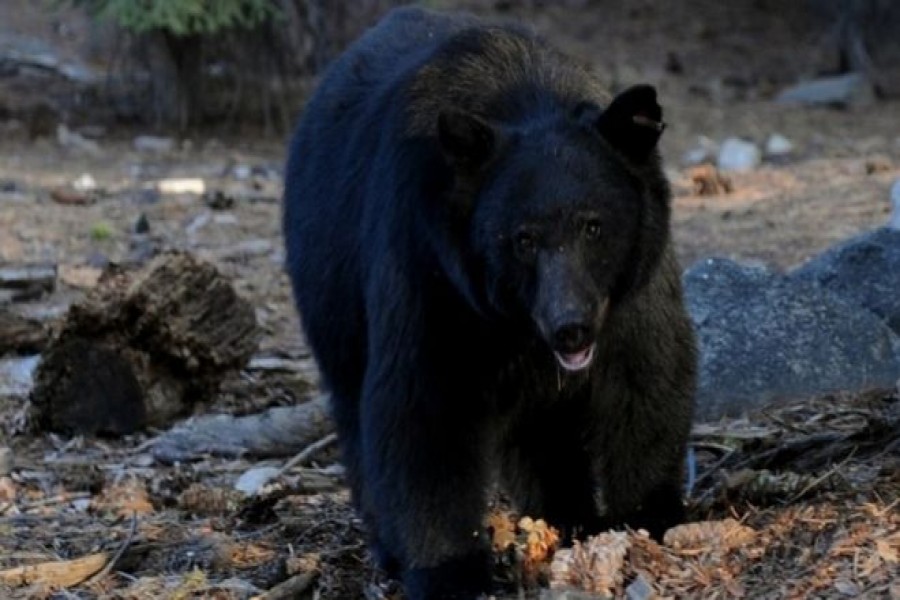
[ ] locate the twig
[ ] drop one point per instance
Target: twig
(816, 482)
(106, 570)
(713, 468)
(58, 499)
(307, 453)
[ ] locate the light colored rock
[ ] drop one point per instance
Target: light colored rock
(777, 145)
(17, 375)
(252, 480)
(85, 183)
(188, 185)
(639, 589)
(242, 172)
(738, 155)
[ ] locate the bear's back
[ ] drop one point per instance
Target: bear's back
(499, 71)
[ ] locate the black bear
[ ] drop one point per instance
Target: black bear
(478, 242)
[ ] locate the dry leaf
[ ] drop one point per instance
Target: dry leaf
(7, 489)
(56, 574)
(124, 499)
(887, 551)
(504, 532)
(250, 555)
(708, 181)
(305, 563)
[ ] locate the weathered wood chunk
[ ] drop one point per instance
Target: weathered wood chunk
(143, 348)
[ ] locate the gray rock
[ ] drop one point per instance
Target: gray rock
(764, 337)
(639, 589)
(738, 155)
(840, 90)
(17, 376)
(864, 271)
(252, 480)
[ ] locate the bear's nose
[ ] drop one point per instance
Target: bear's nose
(571, 337)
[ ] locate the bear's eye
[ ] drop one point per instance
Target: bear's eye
(525, 241)
(592, 229)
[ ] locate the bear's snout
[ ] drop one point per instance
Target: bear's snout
(572, 337)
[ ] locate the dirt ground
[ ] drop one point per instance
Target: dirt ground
(834, 533)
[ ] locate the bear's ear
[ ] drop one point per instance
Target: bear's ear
(466, 140)
(633, 123)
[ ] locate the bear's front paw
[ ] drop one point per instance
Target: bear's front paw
(463, 578)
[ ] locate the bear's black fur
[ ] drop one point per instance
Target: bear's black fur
(478, 242)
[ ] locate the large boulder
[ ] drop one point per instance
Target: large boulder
(864, 271)
(765, 336)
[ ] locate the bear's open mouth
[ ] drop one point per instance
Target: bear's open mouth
(576, 361)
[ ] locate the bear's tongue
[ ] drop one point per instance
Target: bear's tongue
(576, 361)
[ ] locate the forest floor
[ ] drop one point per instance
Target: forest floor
(809, 477)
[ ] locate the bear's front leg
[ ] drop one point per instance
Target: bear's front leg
(425, 470)
(643, 435)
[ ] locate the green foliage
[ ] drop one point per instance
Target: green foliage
(183, 17)
(101, 231)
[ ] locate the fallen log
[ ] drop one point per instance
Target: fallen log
(19, 335)
(279, 431)
(26, 282)
(143, 348)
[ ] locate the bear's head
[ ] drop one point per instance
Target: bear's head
(562, 216)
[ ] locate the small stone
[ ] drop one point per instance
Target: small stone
(152, 143)
(847, 588)
(777, 146)
(252, 480)
(242, 172)
(17, 375)
(738, 155)
(84, 183)
(191, 185)
(639, 589)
